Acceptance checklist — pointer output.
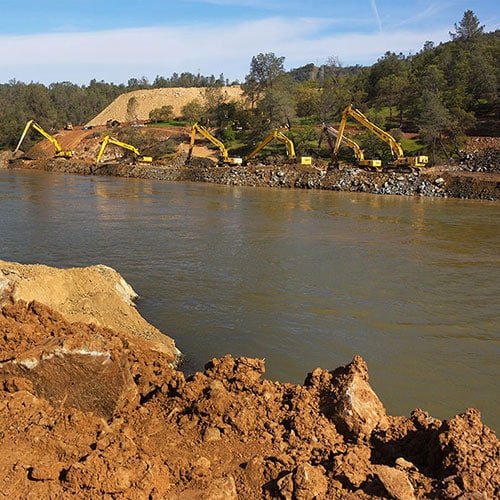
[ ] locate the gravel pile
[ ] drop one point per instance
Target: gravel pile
(484, 160)
(481, 154)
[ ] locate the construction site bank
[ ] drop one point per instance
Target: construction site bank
(440, 181)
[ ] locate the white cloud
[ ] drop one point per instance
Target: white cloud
(117, 55)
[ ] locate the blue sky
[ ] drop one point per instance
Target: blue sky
(115, 40)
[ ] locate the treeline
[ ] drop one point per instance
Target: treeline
(438, 93)
(60, 103)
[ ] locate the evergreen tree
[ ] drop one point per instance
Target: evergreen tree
(468, 27)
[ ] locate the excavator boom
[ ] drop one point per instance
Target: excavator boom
(280, 136)
(59, 151)
(111, 140)
(396, 148)
(358, 152)
(225, 159)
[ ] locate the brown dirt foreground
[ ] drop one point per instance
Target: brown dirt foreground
(91, 412)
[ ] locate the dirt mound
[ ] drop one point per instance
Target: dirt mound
(146, 100)
(88, 412)
(96, 294)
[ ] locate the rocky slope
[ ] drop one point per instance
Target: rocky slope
(91, 412)
(441, 182)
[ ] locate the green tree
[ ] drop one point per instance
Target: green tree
(468, 27)
(389, 64)
(193, 111)
(394, 91)
(278, 104)
(435, 121)
(264, 69)
(218, 110)
(163, 114)
(307, 98)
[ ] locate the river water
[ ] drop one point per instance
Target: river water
(304, 279)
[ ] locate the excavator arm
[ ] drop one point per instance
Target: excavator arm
(111, 140)
(223, 151)
(278, 135)
(396, 148)
(33, 124)
(358, 152)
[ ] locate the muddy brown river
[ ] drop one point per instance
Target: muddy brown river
(304, 279)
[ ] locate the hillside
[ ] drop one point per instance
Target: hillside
(177, 97)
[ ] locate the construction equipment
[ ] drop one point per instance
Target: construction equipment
(330, 132)
(224, 155)
(59, 151)
(111, 140)
(396, 149)
(290, 148)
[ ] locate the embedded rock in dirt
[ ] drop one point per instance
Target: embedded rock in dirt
(95, 294)
(348, 399)
(396, 482)
(90, 374)
(307, 482)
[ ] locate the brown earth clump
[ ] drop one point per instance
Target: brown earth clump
(88, 412)
(94, 294)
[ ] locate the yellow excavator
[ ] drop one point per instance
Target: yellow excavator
(330, 132)
(397, 151)
(290, 148)
(111, 140)
(225, 159)
(59, 151)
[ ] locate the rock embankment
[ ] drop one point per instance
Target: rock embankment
(91, 412)
(444, 182)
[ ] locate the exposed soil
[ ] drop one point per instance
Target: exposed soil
(95, 294)
(146, 100)
(87, 411)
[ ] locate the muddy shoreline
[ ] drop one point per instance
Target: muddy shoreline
(89, 412)
(444, 181)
